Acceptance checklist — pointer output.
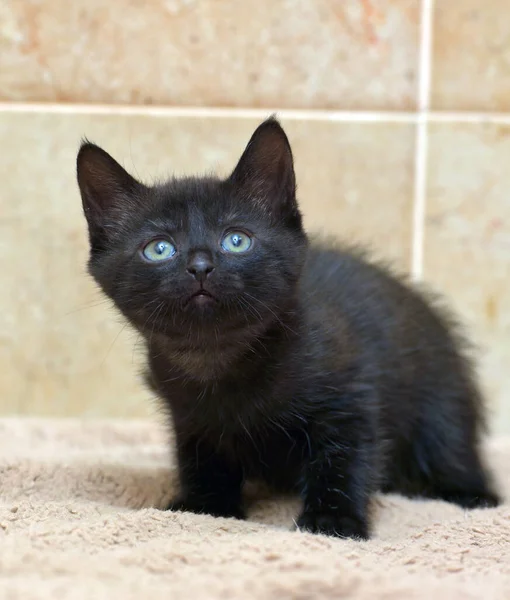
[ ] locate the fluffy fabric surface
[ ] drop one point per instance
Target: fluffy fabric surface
(80, 519)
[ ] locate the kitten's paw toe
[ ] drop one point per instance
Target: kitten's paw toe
(201, 508)
(333, 525)
(486, 499)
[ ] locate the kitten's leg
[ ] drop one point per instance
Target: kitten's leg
(453, 468)
(210, 484)
(445, 447)
(339, 480)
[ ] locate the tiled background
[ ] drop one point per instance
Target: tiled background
(398, 112)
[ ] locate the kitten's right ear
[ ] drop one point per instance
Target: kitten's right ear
(106, 189)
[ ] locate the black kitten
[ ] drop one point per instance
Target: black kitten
(307, 367)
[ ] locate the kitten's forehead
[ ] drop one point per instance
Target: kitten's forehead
(198, 204)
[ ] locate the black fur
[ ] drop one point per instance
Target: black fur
(310, 368)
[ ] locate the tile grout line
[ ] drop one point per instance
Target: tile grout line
(422, 139)
(341, 116)
(368, 116)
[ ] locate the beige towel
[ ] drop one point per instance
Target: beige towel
(77, 521)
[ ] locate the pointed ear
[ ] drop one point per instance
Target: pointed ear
(106, 188)
(265, 172)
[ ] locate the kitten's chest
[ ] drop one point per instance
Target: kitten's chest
(202, 363)
(226, 415)
(278, 459)
(247, 429)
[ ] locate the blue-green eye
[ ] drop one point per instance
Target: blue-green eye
(158, 250)
(236, 241)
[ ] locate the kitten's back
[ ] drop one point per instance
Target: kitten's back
(414, 343)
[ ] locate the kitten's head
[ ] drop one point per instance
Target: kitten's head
(197, 254)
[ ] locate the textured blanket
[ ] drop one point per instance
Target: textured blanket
(79, 519)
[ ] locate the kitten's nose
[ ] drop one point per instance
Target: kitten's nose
(200, 265)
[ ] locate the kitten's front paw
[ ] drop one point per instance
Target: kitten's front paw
(202, 508)
(333, 525)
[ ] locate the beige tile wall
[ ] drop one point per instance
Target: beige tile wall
(377, 160)
(271, 53)
(468, 240)
(472, 55)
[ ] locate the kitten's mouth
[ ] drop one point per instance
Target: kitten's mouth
(201, 298)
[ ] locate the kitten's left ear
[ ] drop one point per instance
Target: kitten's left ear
(107, 190)
(265, 172)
